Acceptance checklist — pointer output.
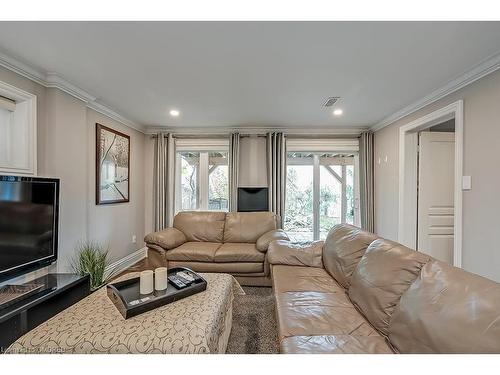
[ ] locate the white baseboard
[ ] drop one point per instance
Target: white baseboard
(122, 264)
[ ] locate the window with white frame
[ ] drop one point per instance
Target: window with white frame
(202, 176)
(321, 187)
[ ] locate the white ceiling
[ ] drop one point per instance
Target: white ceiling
(275, 74)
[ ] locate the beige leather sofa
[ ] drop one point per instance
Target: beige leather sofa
(369, 295)
(234, 243)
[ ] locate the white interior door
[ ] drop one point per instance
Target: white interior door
(435, 227)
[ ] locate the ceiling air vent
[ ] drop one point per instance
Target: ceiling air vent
(331, 101)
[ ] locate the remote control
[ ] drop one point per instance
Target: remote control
(186, 276)
(177, 282)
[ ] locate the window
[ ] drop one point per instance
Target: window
(320, 193)
(202, 176)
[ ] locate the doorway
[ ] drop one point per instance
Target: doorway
(430, 184)
(435, 191)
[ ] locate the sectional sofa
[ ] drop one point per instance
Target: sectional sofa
(358, 293)
(234, 243)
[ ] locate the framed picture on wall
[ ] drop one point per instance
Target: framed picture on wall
(112, 166)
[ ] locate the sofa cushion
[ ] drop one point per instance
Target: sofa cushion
(236, 268)
(447, 310)
(287, 253)
(248, 226)
(238, 252)
(201, 226)
(343, 249)
(194, 251)
(383, 274)
(319, 313)
(303, 279)
(338, 344)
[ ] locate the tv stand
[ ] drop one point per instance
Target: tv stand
(60, 291)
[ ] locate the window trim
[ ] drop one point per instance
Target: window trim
(200, 145)
(322, 145)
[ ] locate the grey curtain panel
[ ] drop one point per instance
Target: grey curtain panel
(234, 159)
(276, 174)
(164, 181)
(366, 190)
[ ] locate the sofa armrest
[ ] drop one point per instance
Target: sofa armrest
(285, 253)
(263, 242)
(168, 238)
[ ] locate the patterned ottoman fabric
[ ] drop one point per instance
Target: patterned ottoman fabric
(196, 324)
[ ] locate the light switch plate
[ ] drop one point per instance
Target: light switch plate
(466, 182)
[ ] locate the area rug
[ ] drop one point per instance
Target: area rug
(254, 323)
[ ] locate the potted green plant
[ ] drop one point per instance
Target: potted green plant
(91, 259)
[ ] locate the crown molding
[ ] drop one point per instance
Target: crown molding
(54, 80)
(477, 72)
(223, 130)
(106, 111)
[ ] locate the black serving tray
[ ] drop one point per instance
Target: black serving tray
(124, 292)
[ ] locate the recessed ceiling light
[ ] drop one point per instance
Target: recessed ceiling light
(338, 112)
(174, 113)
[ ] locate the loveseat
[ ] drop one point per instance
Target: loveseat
(234, 243)
(358, 293)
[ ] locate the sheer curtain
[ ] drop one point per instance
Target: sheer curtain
(234, 157)
(164, 180)
(276, 174)
(366, 190)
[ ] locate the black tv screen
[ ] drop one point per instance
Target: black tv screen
(253, 199)
(28, 223)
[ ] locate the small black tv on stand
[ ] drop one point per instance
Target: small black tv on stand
(251, 199)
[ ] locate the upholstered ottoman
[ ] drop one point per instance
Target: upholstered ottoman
(197, 324)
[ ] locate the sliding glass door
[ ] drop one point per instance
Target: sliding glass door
(320, 193)
(299, 217)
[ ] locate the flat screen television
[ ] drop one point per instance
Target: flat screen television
(252, 199)
(28, 223)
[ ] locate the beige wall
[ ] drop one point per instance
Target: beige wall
(115, 224)
(66, 150)
(481, 206)
(67, 158)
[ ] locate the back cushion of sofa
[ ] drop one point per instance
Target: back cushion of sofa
(344, 247)
(248, 226)
(383, 274)
(447, 310)
(201, 226)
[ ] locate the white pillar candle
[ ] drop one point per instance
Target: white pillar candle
(146, 282)
(161, 281)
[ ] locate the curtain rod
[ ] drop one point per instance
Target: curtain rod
(264, 135)
(218, 135)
